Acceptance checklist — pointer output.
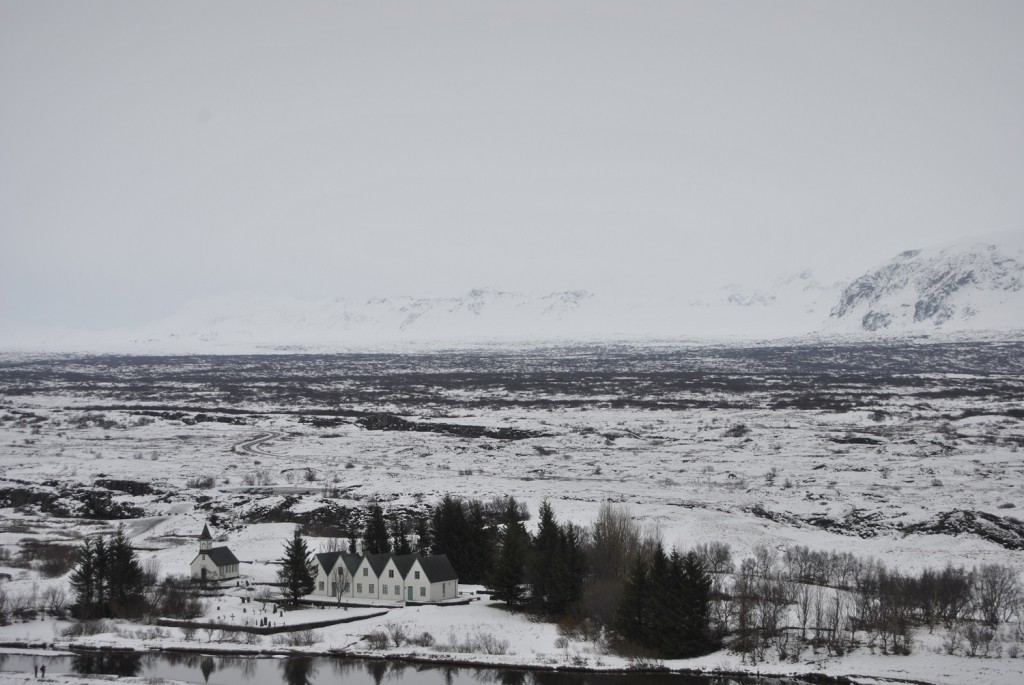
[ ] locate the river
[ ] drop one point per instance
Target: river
(221, 670)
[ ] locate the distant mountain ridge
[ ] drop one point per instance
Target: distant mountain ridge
(976, 286)
(953, 289)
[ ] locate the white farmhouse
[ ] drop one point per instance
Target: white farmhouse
(213, 563)
(390, 577)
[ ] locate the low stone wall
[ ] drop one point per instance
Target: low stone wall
(264, 630)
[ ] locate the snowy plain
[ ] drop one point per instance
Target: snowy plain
(868, 446)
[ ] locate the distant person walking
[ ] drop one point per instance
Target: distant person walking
(42, 670)
(35, 667)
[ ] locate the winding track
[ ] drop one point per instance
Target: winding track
(251, 445)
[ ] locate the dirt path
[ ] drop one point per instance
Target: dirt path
(251, 446)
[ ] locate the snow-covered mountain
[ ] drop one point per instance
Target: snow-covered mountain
(261, 320)
(965, 287)
(976, 286)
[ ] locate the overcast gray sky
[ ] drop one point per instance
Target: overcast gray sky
(154, 152)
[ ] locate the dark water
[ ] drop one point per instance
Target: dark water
(217, 670)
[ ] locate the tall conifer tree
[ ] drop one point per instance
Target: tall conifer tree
(375, 538)
(506, 575)
(297, 574)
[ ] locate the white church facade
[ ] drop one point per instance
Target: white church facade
(213, 563)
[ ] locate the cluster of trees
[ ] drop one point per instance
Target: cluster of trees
(584, 577)
(829, 601)
(665, 609)
(617, 580)
(108, 580)
(398, 536)
(543, 573)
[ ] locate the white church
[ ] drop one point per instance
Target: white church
(213, 563)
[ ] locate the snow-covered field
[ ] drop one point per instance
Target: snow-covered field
(863, 448)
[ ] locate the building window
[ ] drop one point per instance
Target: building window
(423, 591)
(391, 574)
(383, 589)
(417, 575)
(371, 588)
(398, 590)
(359, 587)
(321, 586)
(366, 571)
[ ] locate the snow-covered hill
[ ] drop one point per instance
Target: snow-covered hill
(965, 287)
(481, 313)
(978, 286)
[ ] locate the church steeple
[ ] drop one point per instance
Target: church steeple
(205, 539)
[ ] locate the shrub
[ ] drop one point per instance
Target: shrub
(737, 431)
(86, 628)
(489, 644)
(424, 639)
(378, 639)
(300, 638)
(397, 633)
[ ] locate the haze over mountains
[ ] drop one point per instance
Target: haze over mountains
(970, 286)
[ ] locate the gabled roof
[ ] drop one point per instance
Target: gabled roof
(378, 562)
(438, 568)
(328, 560)
(404, 562)
(205, 535)
(221, 556)
(351, 562)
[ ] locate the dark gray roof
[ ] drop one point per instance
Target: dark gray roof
(438, 568)
(404, 562)
(221, 556)
(328, 560)
(378, 562)
(205, 535)
(352, 562)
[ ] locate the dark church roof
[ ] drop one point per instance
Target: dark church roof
(221, 556)
(205, 535)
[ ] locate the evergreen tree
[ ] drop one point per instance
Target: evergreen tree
(422, 532)
(544, 558)
(298, 573)
(101, 559)
(631, 617)
(376, 539)
(108, 579)
(566, 587)
(660, 599)
(479, 548)
(83, 580)
(460, 529)
(506, 574)
(695, 628)
(449, 530)
(665, 606)
(669, 611)
(400, 536)
(125, 578)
